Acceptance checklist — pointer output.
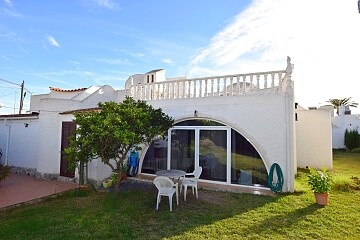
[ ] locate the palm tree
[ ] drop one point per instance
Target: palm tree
(342, 102)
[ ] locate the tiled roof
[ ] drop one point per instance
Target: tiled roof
(25, 115)
(81, 110)
(66, 90)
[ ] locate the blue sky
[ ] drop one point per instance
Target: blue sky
(79, 43)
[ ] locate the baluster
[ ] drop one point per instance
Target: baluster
(265, 81)
(145, 90)
(157, 91)
(212, 87)
(200, 85)
(280, 77)
(237, 89)
(258, 81)
(194, 92)
(151, 96)
(251, 82)
(218, 86)
(163, 91)
(160, 91)
(178, 89)
(171, 90)
(206, 88)
(183, 85)
(273, 80)
(154, 91)
(175, 90)
(224, 87)
(189, 89)
(244, 83)
(231, 87)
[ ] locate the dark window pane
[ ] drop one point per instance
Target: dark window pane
(247, 167)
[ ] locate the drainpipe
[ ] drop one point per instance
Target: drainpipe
(7, 143)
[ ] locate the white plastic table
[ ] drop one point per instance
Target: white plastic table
(171, 173)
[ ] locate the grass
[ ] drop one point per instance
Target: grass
(216, 215)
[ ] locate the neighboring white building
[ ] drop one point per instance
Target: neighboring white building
(250, 119)
(342, 122)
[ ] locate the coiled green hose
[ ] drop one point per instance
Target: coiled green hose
(275, 186)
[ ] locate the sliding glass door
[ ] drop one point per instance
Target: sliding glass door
(182, 149)
(200, 146)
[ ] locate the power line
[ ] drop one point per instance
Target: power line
(19, 85)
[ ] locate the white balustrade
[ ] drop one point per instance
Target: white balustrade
(218, 86)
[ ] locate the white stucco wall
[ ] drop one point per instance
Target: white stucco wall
(313, 139)
(49, 148)
(20, 147)
(261, 118)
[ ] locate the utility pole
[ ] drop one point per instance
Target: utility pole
(22, 96)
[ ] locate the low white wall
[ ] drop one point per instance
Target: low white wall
(313, 139)
(21, 143)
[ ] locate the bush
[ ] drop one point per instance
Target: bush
(355, 150)
(4, 172)
(352, 139)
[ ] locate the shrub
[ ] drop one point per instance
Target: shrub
(319, 181)
(352, 139)
(355, 150)
(4, 172)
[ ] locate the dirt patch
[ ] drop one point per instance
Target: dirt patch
(132, 184)
(214, 197)
(211, 197)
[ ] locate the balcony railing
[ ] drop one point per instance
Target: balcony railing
(218, 86)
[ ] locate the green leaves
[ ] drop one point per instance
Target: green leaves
(319, 181)
(114, 130)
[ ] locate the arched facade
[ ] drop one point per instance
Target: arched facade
(224, 154)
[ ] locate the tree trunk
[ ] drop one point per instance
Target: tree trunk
(117, 185)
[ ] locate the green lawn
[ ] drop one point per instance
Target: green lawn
(219, 215)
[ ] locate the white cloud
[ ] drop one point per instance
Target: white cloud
(167, 60)
(112, 61)
(109, 4)
(321, 37)
(8, 2)
(52, 41)
(10, 10)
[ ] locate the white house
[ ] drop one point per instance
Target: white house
(235, 126)
(342, 122)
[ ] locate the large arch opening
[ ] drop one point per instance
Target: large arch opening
(224, 154)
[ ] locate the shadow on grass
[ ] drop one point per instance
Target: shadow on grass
(284, 220)
(140, 219)
(132, 215)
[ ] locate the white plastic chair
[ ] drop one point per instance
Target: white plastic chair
(166, 187)
(191, 182)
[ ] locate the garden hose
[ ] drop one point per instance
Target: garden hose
(275, 186)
